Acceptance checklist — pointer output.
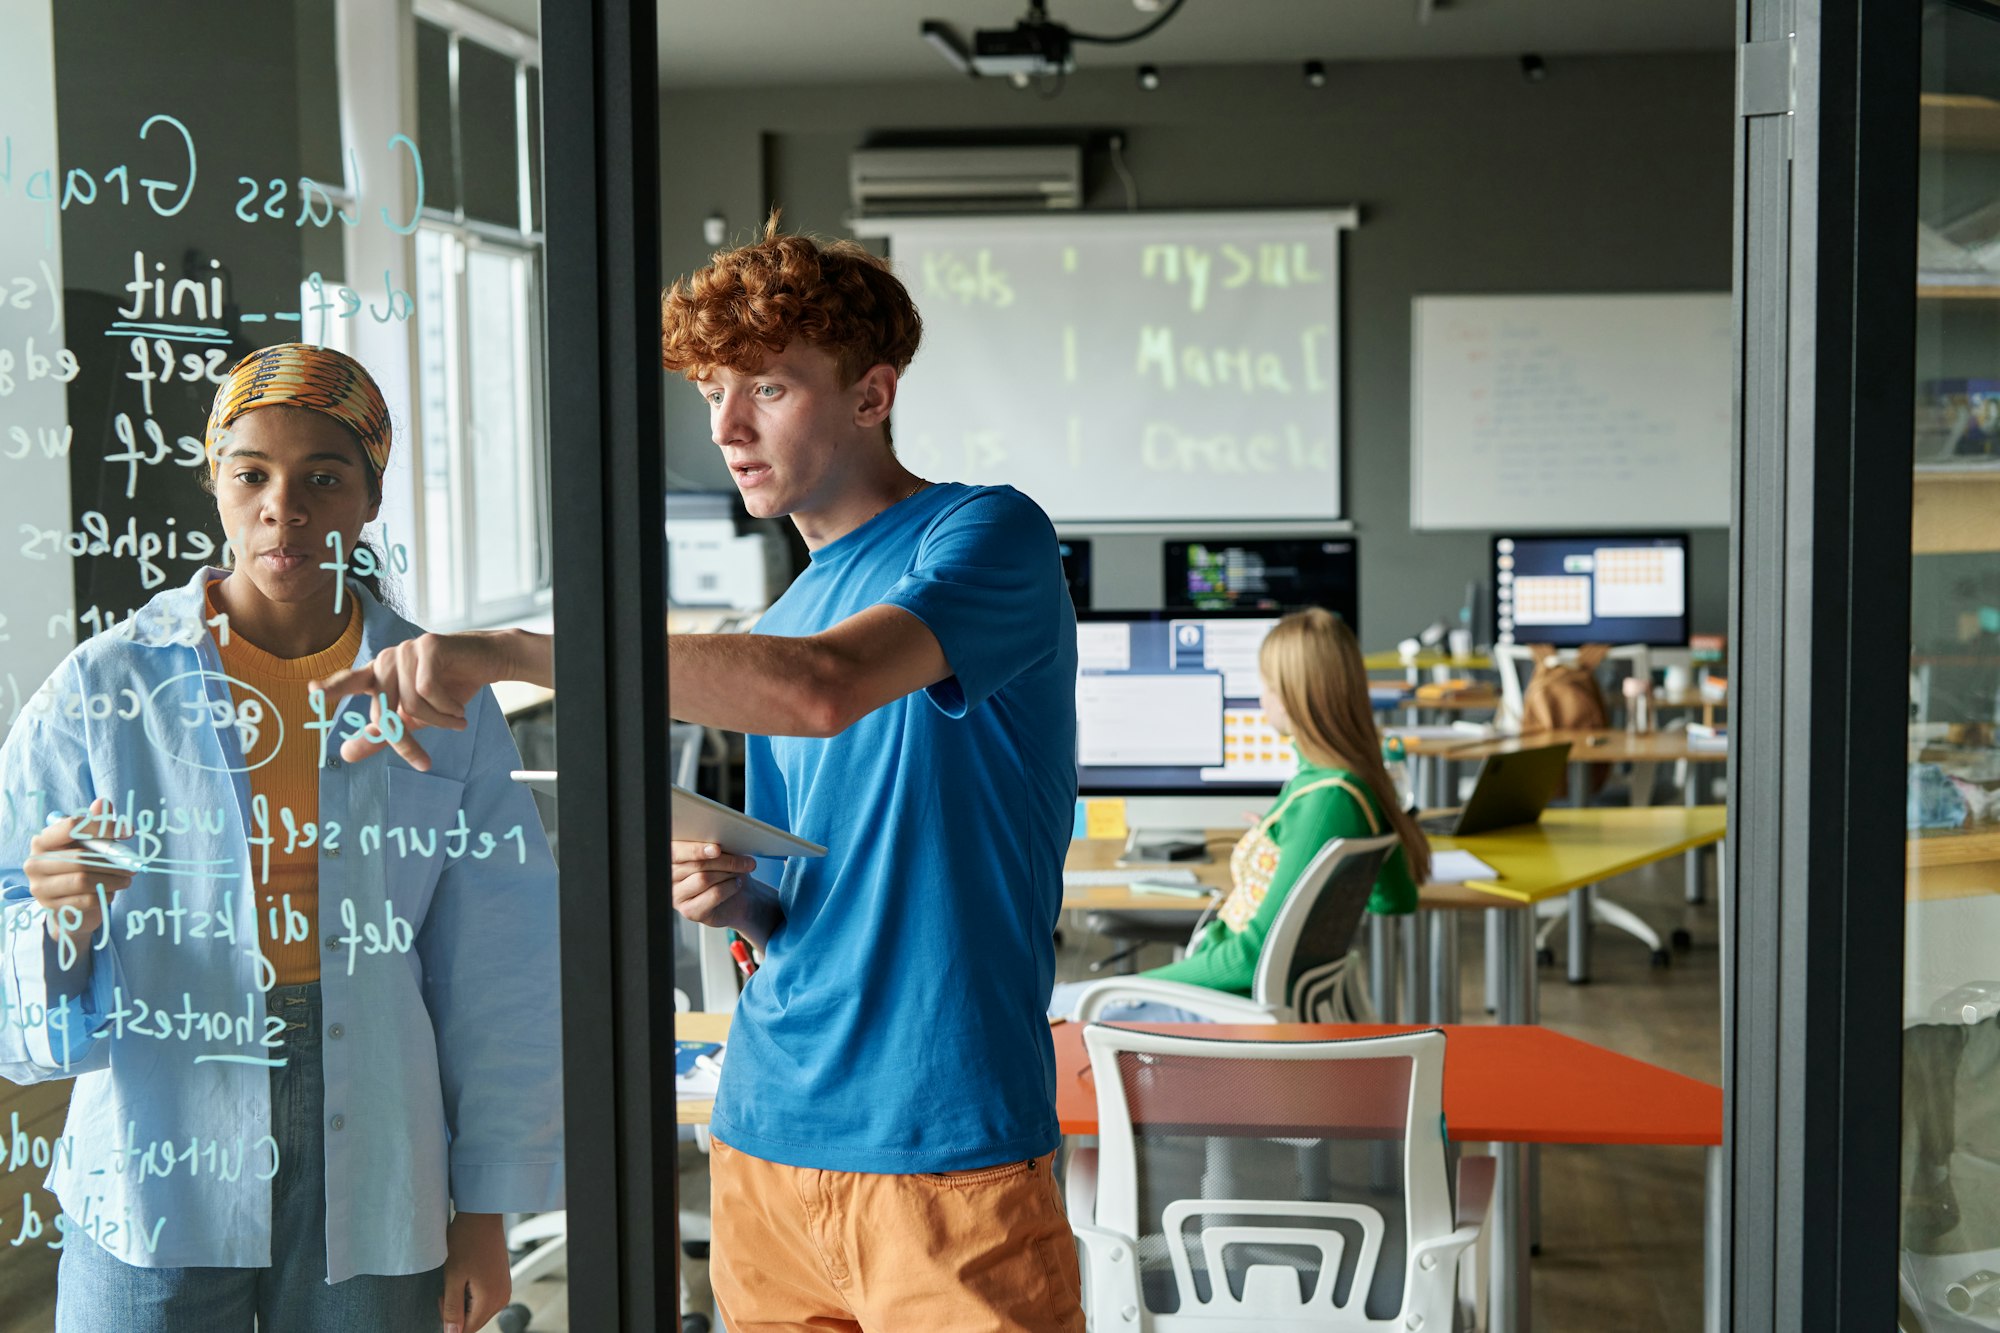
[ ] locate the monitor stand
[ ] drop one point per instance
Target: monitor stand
(1162, 846)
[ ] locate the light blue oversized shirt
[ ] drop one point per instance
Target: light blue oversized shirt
(898, 1023)
(438, 913)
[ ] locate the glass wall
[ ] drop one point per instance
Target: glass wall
(1950, 1261)
(298, 1011)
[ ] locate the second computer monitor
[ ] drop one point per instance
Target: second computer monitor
(1167, 703)
(1076, 568)
(1264, 574)
(1578, 588)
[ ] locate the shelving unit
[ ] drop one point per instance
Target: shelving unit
(1956, 508)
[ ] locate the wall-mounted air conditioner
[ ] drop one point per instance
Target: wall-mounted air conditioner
(898, 182)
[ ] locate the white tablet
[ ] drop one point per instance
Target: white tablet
(698, 819)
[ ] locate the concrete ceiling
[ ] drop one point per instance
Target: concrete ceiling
(706, 43)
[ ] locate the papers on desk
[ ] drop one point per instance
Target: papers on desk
(1443, 731)
(1090, 879)
(697, 1070)
(1701, 737)
(1458, 867)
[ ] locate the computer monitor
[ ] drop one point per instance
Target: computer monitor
(1576, 588)
(1167, 705)
(1076, 568)
(1265, 574)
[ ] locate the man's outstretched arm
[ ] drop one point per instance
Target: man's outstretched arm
(818, 685)
(430, 679)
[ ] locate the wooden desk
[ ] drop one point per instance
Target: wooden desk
(1953, 863)
(1610, 745)
(1508, 1086)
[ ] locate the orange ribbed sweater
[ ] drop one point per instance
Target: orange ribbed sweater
(285, 772)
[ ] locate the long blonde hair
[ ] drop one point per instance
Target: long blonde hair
(1311, 661)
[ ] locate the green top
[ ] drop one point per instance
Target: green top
(1226, 956)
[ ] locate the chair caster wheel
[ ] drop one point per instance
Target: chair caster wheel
(513, 1319)
(1661, 958)
(694, 1323)
(1683, 941)
(1545, 957)
(696, 1250)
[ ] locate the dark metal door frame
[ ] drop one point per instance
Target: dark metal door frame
(1820, 550)
(608, 488)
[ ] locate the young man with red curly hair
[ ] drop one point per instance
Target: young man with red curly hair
(885, 1127)
(886, 1123)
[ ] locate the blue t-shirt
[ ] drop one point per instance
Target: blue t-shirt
(898, 1023)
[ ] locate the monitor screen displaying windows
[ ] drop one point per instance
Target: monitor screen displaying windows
(1167, 704)
(1267, 574)
(1076, 568)
(1579, 588)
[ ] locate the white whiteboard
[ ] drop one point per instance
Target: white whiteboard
(1128, 366)
(1555, 412)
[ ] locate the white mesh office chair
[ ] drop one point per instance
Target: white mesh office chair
(1308, 970)
(1281, 1186)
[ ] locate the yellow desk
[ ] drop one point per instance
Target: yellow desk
(1566, 851)
(698, 1027)
(1571, 848)
(1423, 661)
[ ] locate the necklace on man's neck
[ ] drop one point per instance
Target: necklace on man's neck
(916, 484)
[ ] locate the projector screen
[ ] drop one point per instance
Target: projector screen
(1128, 366)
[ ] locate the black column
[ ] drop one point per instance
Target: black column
(600, 81)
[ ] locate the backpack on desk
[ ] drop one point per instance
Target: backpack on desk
(1564, 696)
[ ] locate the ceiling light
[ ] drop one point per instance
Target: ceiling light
(1149, 77)
(1533, 68)
(1315, 74)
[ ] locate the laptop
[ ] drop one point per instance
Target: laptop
(1512, 789)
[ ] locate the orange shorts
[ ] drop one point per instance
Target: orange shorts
(965, 1251)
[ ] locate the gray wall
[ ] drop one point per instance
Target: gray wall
(1613, 175)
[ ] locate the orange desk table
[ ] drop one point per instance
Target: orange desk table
(1503, 1085)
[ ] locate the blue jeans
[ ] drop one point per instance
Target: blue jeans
(96, 1291)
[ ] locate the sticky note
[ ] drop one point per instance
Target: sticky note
(1104, 818)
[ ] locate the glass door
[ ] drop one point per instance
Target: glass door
(1949, 1262)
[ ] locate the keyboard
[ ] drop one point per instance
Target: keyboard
(1445, 824)
(1089, 879)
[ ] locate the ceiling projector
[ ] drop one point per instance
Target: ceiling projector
(1037, 46)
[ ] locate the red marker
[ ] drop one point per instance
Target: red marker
(740, 951)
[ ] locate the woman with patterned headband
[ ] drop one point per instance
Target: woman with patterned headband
(312, 1032)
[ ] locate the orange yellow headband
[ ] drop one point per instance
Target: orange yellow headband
(302, 375)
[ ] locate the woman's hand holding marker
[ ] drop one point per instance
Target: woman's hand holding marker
(65, 876)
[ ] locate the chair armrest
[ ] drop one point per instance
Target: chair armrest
(1111, 1277)
(1475, 1190)
(1080, 1184)
(1214, 1005)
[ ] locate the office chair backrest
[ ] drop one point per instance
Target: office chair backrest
(1274, 1184)
(1301, 962)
